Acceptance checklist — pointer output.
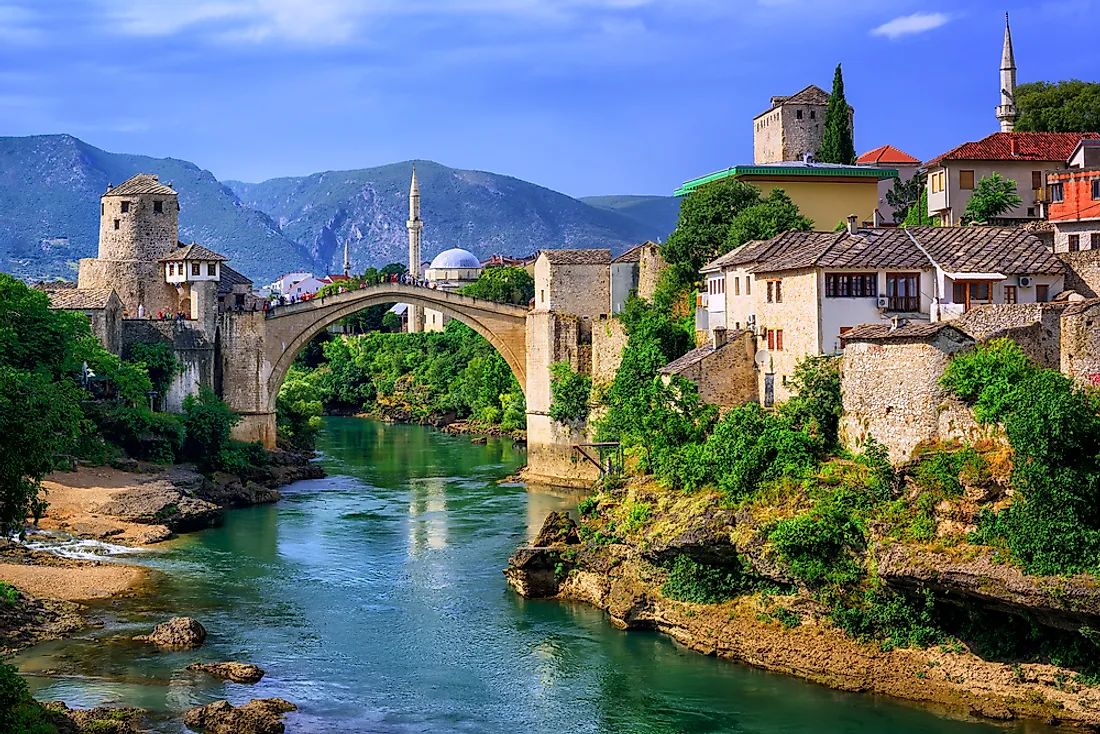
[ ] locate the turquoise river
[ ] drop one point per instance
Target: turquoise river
(374, 600)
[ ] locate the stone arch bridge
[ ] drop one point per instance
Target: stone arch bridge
(258, 348)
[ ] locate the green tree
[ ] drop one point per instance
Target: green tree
(299, 409)
(904, 195)
(917, 216)
(391, 322)
(769, 217)
(160, 363)
(993, 196)
(816, 405)
(508, 284)
(570, 392)
(208, 422)
(702, 232)
(837, 144)
(1071, 106)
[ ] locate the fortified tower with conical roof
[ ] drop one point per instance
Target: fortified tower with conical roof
(1007, 111)
(138, 224)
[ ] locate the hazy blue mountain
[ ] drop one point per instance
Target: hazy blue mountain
(659, 213)
(484, 213)
(49, 209)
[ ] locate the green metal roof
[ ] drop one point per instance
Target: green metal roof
(792, 169)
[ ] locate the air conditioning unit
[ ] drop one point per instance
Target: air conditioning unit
(883, 302)
(1025, 281)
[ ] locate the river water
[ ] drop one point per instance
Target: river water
(374, 600)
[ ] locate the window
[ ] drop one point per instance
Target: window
(542, 296)
(813, 114)
(798, 114)
(171, 268)
(158, 207)
(116, 224)
(1031, 211)
(125, 207)
(736, 286)
(971, 293)
(966, 180)
(1010, 294)
(103, 208)
(1042, 293)
(903, 292)
(1057, 192)
(1074, 242)
(775, 340)
(1094, 241)
(748, 285)
(933, 183)
(196, 269)
(775, 291)
(851, 285)
(1096, 190)
(844, 330)
(211, 269)
(1036, 180)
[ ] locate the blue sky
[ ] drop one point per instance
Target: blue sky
(583, 96)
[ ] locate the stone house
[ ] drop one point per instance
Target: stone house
(890, 383)
(1024, 157)
(1074, 196)
(624, 277)
(801, 292)
(888, 157)
(102, 306)
(722, 369)
(573, 281)
(793, 127)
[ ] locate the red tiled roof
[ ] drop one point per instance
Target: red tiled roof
(888, 154)
(1029, 147)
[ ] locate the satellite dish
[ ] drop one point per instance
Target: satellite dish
(762, 357)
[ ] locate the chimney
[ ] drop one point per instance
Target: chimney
(808, 158)
(853, 224)
(1013, 146)
(877, 221)
(718, 337)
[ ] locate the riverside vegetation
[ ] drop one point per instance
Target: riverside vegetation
(989, 549)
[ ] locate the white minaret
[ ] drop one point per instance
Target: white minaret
(415, 225)
(347, 256)
(1007, 112)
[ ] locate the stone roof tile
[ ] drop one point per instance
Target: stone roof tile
(193, 252)
(76, 299)
(142, 183)
(578, 257)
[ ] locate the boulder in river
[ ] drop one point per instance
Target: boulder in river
(176, 632)
(258, 716)
(557, 529)
(236, 672)
(102, 719)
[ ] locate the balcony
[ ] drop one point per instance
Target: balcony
(903, 304)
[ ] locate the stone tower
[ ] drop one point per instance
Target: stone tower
(138, 223)
(793, 127)
(416, 226)
(347, 257)
(1007, 112)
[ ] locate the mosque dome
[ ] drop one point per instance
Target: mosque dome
(455, 258)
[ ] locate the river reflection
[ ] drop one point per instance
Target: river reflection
(374, 599)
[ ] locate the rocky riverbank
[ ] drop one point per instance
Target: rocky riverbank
(624, 560)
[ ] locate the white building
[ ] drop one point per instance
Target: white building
(284, 282)
(450, 270)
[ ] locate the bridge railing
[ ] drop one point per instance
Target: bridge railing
(444, 297)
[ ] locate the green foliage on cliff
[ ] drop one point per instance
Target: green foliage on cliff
(508, 284)
(19, 712)
(299, 409)
(422, 377)
(1053, 526)
(570, 392)
(698, 583)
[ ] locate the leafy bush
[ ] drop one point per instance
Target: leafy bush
(19, 712)
(240, 458)
(208, 422)
(570, 392)
(638, 516)
(820, 546)
(895, 619)
(1053, 526)
(587, 506)
(697, 583)
(509, 284)
(160, 363)
(816, 405)
(299, 409)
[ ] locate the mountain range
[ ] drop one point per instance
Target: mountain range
(49, 215)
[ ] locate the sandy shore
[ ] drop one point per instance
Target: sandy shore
(75, 499)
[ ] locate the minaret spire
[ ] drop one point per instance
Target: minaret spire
(415, 225)
(347, 257)
(1007, 111)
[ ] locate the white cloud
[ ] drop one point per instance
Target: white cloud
(911, 24)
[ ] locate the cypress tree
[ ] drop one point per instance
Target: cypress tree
(837, 144)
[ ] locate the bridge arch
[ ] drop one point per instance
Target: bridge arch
(290, 328)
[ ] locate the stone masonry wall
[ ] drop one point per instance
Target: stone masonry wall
(583, 290)
(1036, 327)
(650, 268)
(137, 282)
(142, 233)
(608, 342)
(193, 351)
(1080, 357)
(891, 392)
(727, 377)
(1083, 275)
